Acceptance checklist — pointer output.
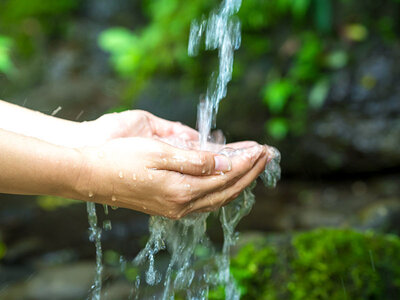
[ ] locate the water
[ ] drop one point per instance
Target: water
(189, 272)
(195, 265)
(95, 237)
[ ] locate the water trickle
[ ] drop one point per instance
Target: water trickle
(90, 194)
(107, 225)
(113, 198)
(134, 177)
(105, 206)
(121, 174)
(95, 237)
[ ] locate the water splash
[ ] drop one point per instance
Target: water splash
(222, 32)
(188, 271)
(195, 266)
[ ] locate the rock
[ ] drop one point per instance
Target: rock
(382, 216)
(64, 282)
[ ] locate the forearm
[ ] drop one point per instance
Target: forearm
(31, 123)
(31, 166)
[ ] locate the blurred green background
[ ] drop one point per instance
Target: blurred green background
(318, 79)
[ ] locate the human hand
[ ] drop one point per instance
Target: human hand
(135, 123)
(153, 177)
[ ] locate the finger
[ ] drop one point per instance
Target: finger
(192, 162)
(241, 145)
(165, 128)
(215, 200)
(199, 186)
(183, 189)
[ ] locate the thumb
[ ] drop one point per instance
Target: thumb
(196, 163)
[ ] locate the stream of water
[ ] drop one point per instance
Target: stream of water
(195, 265)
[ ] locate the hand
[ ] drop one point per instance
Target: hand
(135, 123)
(153, 177)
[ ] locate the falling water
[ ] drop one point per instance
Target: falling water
(195, 266)
(188, 271)
(95, 237)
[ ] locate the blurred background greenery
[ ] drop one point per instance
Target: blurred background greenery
(316, 78)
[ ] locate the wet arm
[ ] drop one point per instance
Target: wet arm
(31, 166)
(31, 123)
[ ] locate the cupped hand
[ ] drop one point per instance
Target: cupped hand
(148, 175)
(135, 123)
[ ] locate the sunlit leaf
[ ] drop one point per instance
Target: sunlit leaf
(356, 32)
(300, 7)
(6, 65)
(277, 94)
(319, 93)
(117, 40)
(52, 203)
(278, 128)
(337, 59)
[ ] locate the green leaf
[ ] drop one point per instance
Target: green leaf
(117, 40)
(276, 95)
(300, 7)
(356, 32)
(337, 59)
(6, 65)
(3, 250)
(278, 128)
(319, 93)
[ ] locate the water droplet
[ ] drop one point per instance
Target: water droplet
(90, 194)
(134, 177)
(105, 206)
(203, 171)
(150, 177)
(164, 161)
(113, 198)
(144, 207)
(187, 186)
(107, 225)
(190, 205)
(121, 174)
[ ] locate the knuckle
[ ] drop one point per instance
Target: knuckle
(181, 196)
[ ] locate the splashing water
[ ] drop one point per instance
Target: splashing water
(195, 266)
(187, 271)
(222, 32)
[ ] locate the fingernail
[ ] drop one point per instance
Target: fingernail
(222, 163)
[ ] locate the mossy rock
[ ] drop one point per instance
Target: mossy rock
(320, 264)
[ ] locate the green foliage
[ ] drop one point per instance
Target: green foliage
(29, 23)
(161, 46)
(3, 248)
(303, 41)
(320, 264)
(6, 65)
(50, 203)
(365, 265)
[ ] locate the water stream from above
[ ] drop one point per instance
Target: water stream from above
(195, 265)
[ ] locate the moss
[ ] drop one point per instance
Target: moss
(320, 264)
